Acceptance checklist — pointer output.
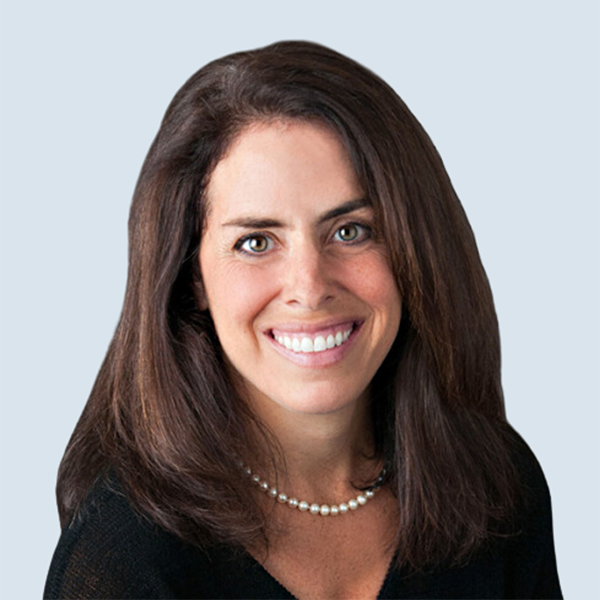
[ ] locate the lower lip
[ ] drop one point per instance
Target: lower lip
(322, 359)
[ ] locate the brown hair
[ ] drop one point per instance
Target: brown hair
(162, 414)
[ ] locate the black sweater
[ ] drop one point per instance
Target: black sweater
(111, 551)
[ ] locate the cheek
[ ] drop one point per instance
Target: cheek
(236, 293)
(372, 280)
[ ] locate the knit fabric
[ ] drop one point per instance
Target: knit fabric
(111, 551)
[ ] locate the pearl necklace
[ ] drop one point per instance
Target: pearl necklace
(312, 507)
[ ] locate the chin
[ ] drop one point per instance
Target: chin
(318, 403)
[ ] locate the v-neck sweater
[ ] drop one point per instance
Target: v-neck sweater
(111, 551)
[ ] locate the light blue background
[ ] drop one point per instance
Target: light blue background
(508, 91)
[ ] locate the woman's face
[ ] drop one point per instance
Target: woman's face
(298, 285)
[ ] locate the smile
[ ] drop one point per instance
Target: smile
(304, 342)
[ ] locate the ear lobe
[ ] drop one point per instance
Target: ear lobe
(198, 285)
(202, 303)
(201, 299)
(200, 295)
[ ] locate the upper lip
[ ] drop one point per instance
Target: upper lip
(310, 328)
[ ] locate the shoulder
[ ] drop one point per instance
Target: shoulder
(530, 553)
(534, 491)
(517, 562)
(109, 550)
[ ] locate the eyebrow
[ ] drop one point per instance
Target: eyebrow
(338, 211)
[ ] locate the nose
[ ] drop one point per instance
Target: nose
(309, 278)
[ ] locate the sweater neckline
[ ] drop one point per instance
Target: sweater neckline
(391, 570)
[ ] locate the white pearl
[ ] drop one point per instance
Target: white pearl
(315, 509)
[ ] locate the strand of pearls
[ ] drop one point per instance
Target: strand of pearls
(312, 507)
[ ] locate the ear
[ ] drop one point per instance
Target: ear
(200, 295)
(203, 303)
(198, 288)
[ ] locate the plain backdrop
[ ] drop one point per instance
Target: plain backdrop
(509, 93)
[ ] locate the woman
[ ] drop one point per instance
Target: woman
(302, 397)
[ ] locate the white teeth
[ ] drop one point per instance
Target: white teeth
(306, 345)
(319, 344)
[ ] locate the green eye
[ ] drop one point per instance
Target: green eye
(254, 244)
(350, 232)
(353, 233)
(258, 244)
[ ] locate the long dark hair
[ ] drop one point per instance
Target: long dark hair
(163, 415)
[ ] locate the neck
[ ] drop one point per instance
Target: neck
(324, 454)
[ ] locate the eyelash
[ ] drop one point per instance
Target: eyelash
(365, 233)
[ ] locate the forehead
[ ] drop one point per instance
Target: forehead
(283, 165)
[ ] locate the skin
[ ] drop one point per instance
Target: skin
(290, 249)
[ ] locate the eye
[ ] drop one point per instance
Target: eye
(254, 244)
(352, 232)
